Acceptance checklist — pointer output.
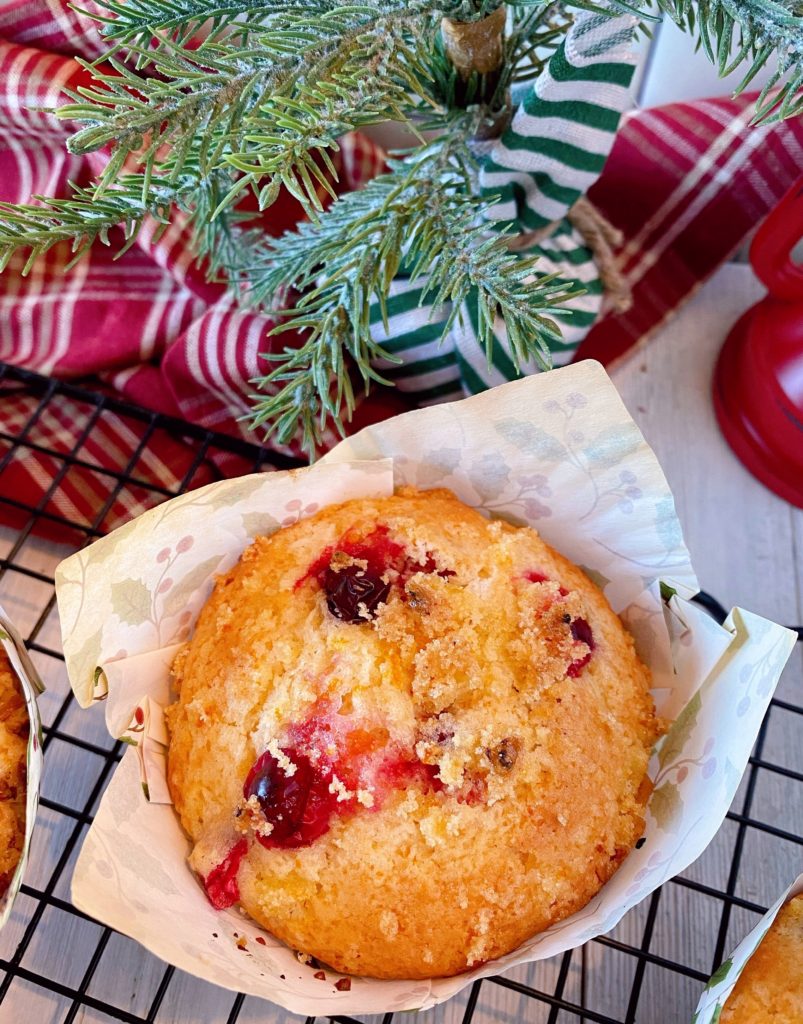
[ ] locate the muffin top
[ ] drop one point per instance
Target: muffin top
(14, 728)
(407, 737)
(770, 988)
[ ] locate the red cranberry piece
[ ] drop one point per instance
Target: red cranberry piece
(401, 773)
(282, 797)
(321, 805)
(354, 585)
(221, 883)
(581, 633)
(353, 594)
(474, 791)
(576, 667)
(298, 806)
(536, 576)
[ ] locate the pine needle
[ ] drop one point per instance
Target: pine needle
(204, 103)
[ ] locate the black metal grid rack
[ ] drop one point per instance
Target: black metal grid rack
(59, 966)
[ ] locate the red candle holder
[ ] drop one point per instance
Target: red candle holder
(758, 379)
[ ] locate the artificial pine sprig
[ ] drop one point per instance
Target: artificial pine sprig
(84, 218)
(757, 31)
(139, 22)
(346, 260)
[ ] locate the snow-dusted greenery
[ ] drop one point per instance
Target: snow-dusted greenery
(202, 102)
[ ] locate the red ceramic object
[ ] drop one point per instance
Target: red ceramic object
(758, 379)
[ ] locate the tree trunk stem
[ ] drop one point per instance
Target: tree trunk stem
(475, 45)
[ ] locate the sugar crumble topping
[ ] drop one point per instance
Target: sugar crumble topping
(337, 787)
(284, 762)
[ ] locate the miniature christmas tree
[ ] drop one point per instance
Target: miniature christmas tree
(203, 103)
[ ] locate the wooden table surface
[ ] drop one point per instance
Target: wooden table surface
(747, 548)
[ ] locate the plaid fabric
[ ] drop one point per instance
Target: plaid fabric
(686, 183)
(149, 324)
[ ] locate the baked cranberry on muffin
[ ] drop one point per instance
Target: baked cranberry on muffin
(14, 727)
(408, 738)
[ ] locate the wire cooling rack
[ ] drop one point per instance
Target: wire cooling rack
(58, 966)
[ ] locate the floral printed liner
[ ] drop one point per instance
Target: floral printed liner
(723, 980)
(31, 688)
(557, 451)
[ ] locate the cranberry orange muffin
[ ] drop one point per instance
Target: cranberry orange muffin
(14, 728)
(770, 988)
(408, 738)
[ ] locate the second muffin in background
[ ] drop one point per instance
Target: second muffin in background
(14, 729)
(770, 988)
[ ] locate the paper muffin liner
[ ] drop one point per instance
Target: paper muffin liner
(723, 980)
(31, 684)
(556, 451)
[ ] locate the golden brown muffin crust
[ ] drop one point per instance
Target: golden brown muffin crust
(477, 668)
(14, 728)
(770, 988)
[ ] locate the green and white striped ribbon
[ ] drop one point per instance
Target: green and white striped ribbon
(551, 153)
